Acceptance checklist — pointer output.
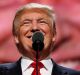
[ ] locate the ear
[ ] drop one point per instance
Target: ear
(16, 39)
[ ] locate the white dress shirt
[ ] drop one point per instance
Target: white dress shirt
(26, 70)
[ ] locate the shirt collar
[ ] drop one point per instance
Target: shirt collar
(47, 63)
(25, 63)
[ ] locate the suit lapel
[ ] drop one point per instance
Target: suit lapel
(16, 70)
(58, 70)
(55, 69)
(11, 68)
(19, 67)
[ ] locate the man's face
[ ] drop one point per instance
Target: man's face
(32, 22)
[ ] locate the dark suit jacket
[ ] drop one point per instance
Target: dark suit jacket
(15, 69)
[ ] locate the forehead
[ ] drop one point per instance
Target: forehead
(26, 12)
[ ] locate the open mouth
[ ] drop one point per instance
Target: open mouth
(29, 37)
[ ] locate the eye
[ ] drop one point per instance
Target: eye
(26, 23)
(43, 22)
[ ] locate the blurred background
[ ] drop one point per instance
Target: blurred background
(67, 46)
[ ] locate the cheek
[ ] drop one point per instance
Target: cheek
(24, 30)
(47, 34)
(46, 29)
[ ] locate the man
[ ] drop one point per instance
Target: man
(29, 20)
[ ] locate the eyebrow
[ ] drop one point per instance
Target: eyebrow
(41, 19)
(27, 20)
(31, 20)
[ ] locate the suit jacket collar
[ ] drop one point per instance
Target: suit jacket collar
(11, 68)
(56, 70)
(16, 69)
(19, 70)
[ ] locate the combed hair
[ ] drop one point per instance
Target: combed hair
(49, 9)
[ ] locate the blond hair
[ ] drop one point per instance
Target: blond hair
(47, 8)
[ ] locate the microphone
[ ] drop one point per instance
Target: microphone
(37, 45)
(38, 39)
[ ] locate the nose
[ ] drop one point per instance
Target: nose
(35, 27)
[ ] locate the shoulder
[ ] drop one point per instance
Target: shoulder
(7, 65)
(60, 70)
(10, 68)
(68, 71)
(10, 65)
